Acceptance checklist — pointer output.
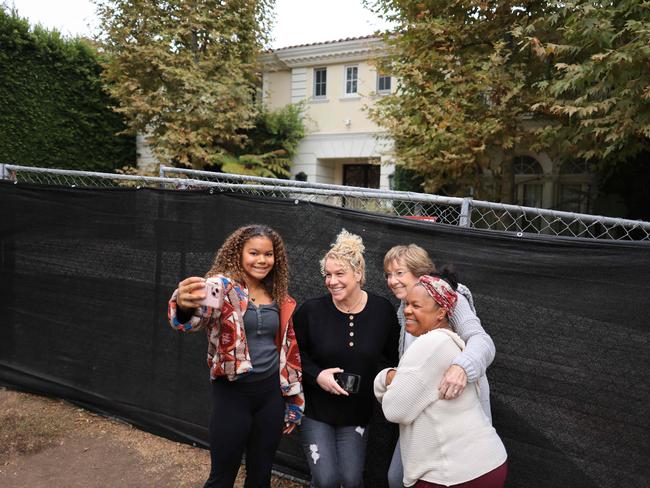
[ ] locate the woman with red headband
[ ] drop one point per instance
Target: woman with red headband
(452, 443)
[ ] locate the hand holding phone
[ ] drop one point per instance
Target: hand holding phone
(213, 294)
(190, 292)
(350, 382)
(326, 379)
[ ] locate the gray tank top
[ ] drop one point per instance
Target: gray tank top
(261, 325)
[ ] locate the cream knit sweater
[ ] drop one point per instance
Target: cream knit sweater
(446, 442)
(478, 352)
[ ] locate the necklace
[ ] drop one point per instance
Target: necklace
(250, 294)
(349, 310)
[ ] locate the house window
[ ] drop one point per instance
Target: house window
(532, 195)
(525, 165)
(383, 84)
(573, 198)
(575, 186)
(529, 181)
(574, 167)
(320, 82)
(351, 80)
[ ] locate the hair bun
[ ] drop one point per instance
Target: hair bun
(348, 249)
(447, 273)
(346, 241)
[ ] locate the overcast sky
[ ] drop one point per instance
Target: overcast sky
(297, 21)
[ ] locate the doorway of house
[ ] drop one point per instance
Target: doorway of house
(363, 175)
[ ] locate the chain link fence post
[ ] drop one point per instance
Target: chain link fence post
(465, 219)
(161, 174)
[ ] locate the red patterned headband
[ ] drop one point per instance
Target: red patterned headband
(440, 291)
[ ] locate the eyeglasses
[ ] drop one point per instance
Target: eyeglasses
(396, 274)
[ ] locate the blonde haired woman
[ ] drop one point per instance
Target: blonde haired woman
(343, 337)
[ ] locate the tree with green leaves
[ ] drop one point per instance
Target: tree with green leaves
(270, 144)
(598, 97)
(185, 71)
(464, 90)
(54, 111)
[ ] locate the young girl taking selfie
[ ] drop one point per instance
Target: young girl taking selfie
(255, 371)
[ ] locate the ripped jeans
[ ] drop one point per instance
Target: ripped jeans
(335, 454)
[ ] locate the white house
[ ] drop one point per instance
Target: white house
(335, 81)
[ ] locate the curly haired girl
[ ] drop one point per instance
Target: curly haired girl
(252, 351)
(228, 260)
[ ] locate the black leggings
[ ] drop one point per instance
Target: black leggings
(245, 417)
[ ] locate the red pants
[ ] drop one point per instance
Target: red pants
(494, 479)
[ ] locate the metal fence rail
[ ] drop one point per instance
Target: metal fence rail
(464, 212)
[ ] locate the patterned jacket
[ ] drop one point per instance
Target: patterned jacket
(228, 353)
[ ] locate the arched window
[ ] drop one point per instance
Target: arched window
(574, 167)
(525, 165)
(529, 181)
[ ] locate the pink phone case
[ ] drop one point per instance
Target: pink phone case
(212, 298)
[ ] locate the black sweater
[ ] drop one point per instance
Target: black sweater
(323, 334)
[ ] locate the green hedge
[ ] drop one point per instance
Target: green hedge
(53, 110)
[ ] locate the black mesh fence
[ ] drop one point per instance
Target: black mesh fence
(85, 275)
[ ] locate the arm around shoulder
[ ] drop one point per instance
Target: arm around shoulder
(479, 348)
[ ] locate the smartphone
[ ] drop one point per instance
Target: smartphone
(213, 296)
(348, 381)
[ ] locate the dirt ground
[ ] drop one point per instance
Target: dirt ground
(47, 443)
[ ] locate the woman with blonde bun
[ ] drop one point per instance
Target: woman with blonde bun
(343, 337)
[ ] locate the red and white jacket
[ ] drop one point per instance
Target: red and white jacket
(228, 353)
